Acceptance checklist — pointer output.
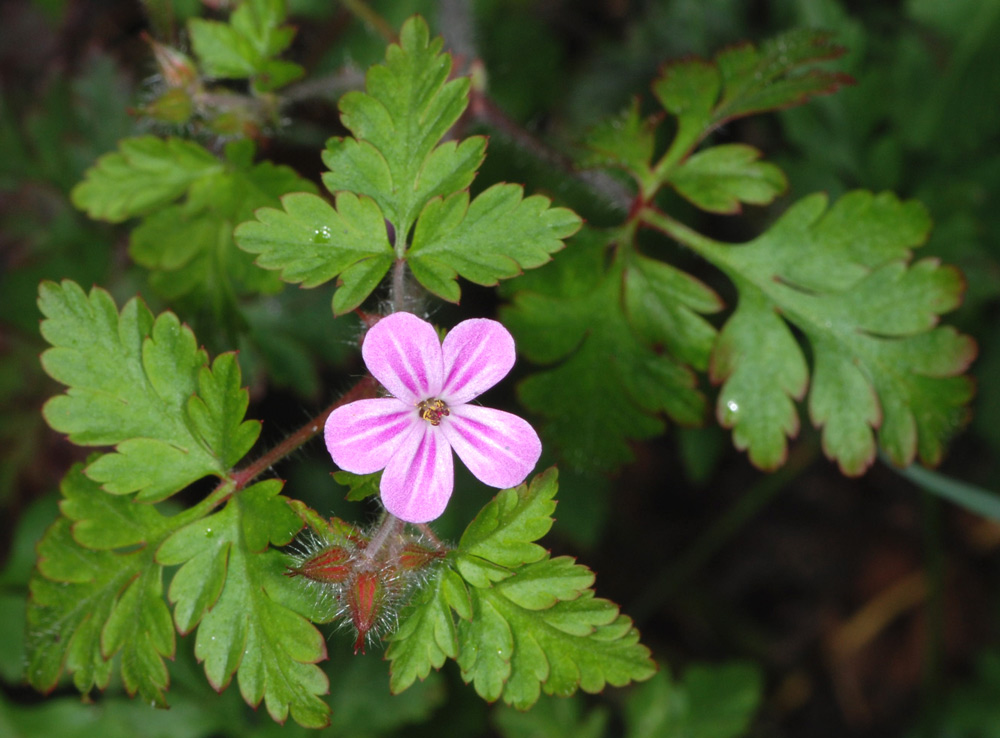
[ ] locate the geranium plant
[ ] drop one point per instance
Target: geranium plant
(828, 302)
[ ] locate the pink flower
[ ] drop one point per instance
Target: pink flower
(412, 434)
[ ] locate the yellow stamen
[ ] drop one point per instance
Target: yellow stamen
(433, 410)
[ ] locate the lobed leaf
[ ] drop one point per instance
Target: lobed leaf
(224, 587)
(394, 169)
(492, 238)
(427, 634)
(311, 242)
(702, 95)
(718, 179)
(538, 627)
(708, 702)
(134, 382)
(514, 652)
(245, 46)
(744, 80)
(88, 605)
(145, 174)
(779, 74)
(359, 486)
(407, 107)
(189, 245)
(762, 371)
(104, 522)
(840, 275)
(626, 141)
(586, 313)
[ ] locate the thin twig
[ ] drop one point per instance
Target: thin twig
(242, 477)
(610, 190)
(365, 13)
(343, 80)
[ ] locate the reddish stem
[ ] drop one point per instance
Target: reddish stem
(242, 477)
(485, 110)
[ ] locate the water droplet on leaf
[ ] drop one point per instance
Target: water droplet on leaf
(322, 235)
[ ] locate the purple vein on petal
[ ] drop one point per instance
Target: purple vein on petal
(466, 368)
(477, 354)
(418, 480)
(412, 374)
(499, 448)
(362, 436)
(404, 354)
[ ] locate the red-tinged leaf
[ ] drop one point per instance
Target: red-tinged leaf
(842, 276)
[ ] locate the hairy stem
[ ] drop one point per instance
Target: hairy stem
(397, 290)
(386, 535)
(332, 85)
(608, 189)
(364, 12)
(242, 477)
(430, 535)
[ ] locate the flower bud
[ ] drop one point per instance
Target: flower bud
(176, 68)
(331, 564)
(173, 106)
(416, 556)
(365, 596)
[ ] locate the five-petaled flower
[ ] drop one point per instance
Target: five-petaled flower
(411, 434)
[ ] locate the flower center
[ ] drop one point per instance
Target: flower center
(433, 410)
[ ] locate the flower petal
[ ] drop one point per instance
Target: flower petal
(362, 436)
(477, 354)
(404, 354)
(499, 448)
(419, 479)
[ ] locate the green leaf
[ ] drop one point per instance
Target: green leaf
(709, 702)
(189, 245)
(407, 107)
(537, 627)
(553, 717)
(427, 634)
(514, 651)
(244, 47)
(242, 627)
(102, 521)
(360, 486)
(665, 307)
(217, 411)
(505, 530)
(778, 75)
(575, 316)
(143, 386)
(143, 175)
(259, 21)
(842, 277)
(626, 142)
(763, 371)
(395, 169)
(744, 80)
(688, 89)
(492, 238)
(720, 178)
(87, 606)
(311, 242)
(221, 50)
